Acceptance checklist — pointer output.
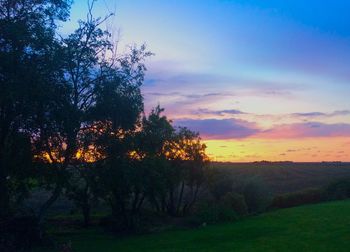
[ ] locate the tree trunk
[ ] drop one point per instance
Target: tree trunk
(188, 206)
(4, 190)
(86, 213)
(45, 207)
(4, 197)
(180, 198)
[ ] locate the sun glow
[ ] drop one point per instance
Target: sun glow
(298, 150)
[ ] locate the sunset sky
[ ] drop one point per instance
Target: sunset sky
(260, 80)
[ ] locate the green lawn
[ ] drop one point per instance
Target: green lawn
(322, 227)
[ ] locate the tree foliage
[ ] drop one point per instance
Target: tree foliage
(176, 159)
(72, 121)
(27, 68)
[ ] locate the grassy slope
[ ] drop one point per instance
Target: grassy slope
(322, 227)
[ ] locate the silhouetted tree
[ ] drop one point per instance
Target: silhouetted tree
(101, 99)
(175, 159)
(188, 160)
(71, 120)
(84, 190)
(27, 37)
(156, 132)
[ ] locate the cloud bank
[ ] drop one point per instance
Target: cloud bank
(220, 129)
(238, 129)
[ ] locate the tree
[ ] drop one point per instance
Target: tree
(55, 91)
(186, 154)
(100, 99)
(71, 120)
(175, 159)
(128, 172)
(27, 35)
(83, 189)
(150, 141)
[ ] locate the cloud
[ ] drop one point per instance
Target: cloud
(171, 78)
(309, 129)
(220, 129)
(164, 78)
(188, 96)
(321, 114)
(309, 114)
(341, 112)
(182, 104)
(229, 111)
(299, 117)
(219, 112)
(237, 129)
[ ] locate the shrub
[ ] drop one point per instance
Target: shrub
(338, 190)
(120, 224)
(256, 193)
(308, 196)
(211, 213)
(253, 191)
(235, 202)
(220, 184)
(19, 233)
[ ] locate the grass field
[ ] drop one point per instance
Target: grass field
(321, 227)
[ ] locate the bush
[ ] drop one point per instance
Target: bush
(256, 193)
(121, 224)
(308, 196)
(219, 184)
(138, 223)
(338, 190)
(19, 233)
(253, 191)
(211, 213)
(235, 202)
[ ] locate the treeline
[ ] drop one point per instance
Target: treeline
(72, 122)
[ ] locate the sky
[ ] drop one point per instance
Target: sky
(260, 80)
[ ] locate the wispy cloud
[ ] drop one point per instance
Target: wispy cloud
(218, 112)
(188, 95)
(321, 114)
(163, 79)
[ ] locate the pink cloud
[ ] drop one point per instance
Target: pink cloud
(238, 129)
(309, 129)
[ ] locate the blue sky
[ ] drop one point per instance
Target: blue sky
(279, 63)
